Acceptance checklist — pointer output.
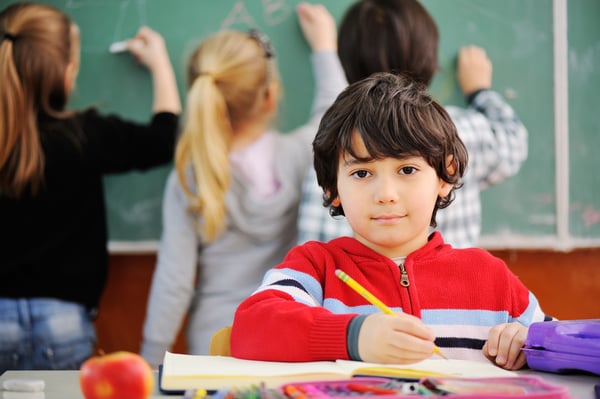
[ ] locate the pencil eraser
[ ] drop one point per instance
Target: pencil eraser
(118, 47)
(19, 385)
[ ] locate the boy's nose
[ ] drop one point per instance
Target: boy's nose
(386, 191)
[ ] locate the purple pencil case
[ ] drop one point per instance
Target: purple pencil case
(452, 387)
(564, 346)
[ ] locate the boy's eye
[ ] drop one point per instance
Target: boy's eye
(361, 174)
(408, 170)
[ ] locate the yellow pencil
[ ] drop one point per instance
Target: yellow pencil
(373, 299)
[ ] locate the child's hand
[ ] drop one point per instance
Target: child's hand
(474, 70)
(398, 338)
(148, 47)
(318, 26)
(504, 345)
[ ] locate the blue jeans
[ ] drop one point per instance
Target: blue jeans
(44, 334)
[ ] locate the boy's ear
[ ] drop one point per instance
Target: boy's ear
(446, 187)
(451, 165)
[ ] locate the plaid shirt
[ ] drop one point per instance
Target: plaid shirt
(497, 144)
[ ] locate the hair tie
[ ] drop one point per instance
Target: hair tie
(263, 42)
(9, 36)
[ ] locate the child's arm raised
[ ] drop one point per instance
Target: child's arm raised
(319, 30)
(490, 128)
(399, 338)
(474, 71)
(318, 26)
(148, 47)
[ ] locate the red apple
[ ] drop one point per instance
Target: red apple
(118, 375)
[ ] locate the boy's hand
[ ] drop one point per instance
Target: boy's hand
(474, 70)
(318, 26)
(504, 345)
(398, 338)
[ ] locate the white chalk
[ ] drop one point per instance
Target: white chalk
(23, 385)
(118, 47)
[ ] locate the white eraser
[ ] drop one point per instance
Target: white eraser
(24, 385)
(118, 47)
(23, 395)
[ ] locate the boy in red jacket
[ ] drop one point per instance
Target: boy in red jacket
(387, 157)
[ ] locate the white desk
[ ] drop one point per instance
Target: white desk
(65, 384)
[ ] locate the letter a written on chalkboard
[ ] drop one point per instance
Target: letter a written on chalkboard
(239, 15)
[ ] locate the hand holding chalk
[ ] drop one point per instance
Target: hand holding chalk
(119, 47)
(149, 49)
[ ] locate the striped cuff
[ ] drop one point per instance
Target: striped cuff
(352, 338)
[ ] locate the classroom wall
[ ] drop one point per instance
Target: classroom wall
(567, 285)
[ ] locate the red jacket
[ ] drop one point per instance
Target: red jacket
(302, 310)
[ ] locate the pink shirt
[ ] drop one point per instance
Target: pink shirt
(255, 164)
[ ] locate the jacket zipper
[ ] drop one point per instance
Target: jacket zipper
(403, 276)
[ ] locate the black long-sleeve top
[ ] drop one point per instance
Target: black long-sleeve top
(54, 244)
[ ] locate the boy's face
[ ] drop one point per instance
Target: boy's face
(388, 202)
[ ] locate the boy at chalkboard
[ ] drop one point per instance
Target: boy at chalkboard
(401, 36)
(387, 156)
(52, 162)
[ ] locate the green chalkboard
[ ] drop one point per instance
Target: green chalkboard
(584, 120)
(517, 34)
(115, 83)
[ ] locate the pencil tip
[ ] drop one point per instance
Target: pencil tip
(439, 352)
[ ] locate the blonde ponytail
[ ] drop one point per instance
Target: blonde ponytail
(228, 76)
(205, 145)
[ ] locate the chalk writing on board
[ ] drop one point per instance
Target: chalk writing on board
(590, 216)
(71, 4)
(274, 12)
(74, 4)
(123, 11)
(125, 8)
(238, 15)
(139, 213)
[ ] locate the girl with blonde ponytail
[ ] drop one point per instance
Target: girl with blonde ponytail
(230, 206)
